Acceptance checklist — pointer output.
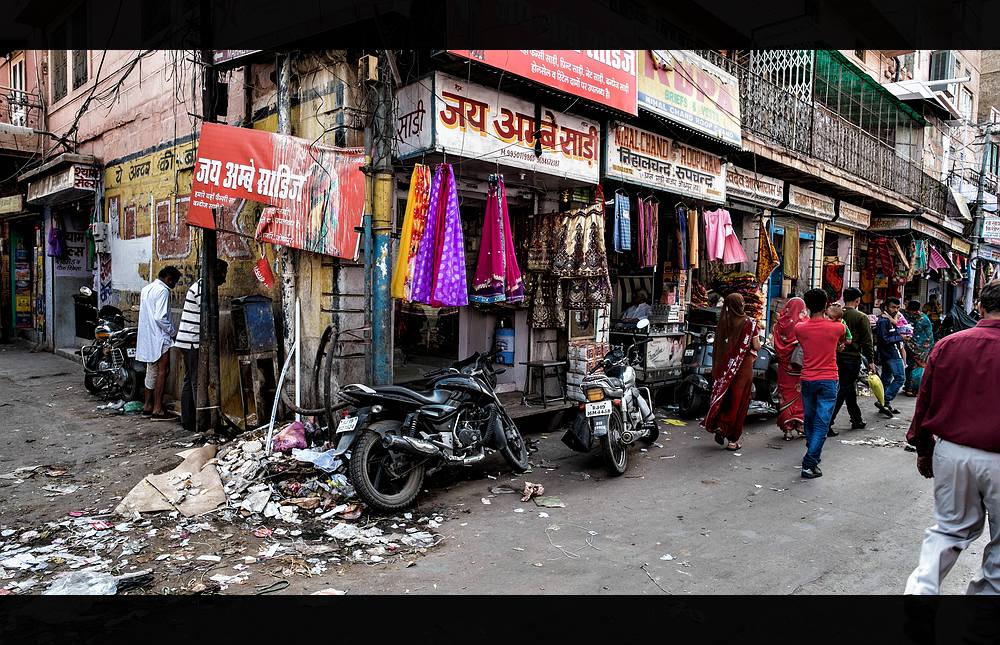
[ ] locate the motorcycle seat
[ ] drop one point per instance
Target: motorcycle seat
(434, 397)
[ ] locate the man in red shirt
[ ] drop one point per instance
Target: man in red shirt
(957, 404)
(818, 337)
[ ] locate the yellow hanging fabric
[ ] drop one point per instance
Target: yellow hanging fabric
(412, 231)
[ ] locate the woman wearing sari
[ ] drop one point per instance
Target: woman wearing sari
(790, 411)
(736, 346)
(918, 346)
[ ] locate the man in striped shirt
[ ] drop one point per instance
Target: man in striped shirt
(188, 340)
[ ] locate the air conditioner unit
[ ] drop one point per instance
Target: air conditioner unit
(943, 64)
(368, 69)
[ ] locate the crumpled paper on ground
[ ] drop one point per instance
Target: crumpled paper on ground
(531, 490)
(160, 493)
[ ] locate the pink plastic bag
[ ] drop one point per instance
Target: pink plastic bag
(291, 436)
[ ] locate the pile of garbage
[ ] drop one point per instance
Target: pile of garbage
(288, 512)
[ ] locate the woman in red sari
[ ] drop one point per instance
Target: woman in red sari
(790, 412)
(736, 346)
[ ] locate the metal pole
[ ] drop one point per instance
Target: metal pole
(209, 395)
(286, 256)
(381, 226)
(977, 220)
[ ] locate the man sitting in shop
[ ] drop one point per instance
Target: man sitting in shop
(640, 308)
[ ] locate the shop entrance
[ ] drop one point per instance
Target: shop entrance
(27, 271)
(70, 271)
(426, 339)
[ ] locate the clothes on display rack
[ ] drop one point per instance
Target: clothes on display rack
(439, 275)
(622, 238)
(919, 256)
(767, 255)
(833, 279)
(414, 222)
(581, 259)
(692, 223)
(744, 284)
(547, 311)
(682, 238)
(790, 251)
(544, 237)
(649, 232)
(879, 255)
(497, 278)
(721, 239)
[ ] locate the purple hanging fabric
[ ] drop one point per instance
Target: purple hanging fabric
(449, 287)
(423, 266)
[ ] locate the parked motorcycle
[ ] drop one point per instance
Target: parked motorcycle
(695, 390)
(109, 364)
(617, 413)
(395, 436)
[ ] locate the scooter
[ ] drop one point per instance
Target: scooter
(617, 413)
(695, 390)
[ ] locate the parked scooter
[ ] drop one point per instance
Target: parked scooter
(109, 364)
(617, 413)
(695, 390)
(394, 436)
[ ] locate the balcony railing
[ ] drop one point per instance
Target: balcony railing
(20, 108)
(775, 115)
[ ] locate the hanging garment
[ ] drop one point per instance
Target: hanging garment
(790, 249)
(498, 278)
(898, 250)
(547, 311)
(767, 255)
(920, 255)
(543, 242)
(414, 222)
(622, 238)
(439, 270)
(723, 243)
(581, 259)
(833, 279)
(649, 232)
(693, 238)
(879, 255)
(682, 236)
(936, 262)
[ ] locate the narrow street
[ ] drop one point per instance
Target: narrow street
(688, 517)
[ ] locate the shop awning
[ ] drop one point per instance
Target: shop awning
(957, 207)
(858, 92)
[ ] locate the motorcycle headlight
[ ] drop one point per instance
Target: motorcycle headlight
(102, 333)
(595, 394)
(710, 337)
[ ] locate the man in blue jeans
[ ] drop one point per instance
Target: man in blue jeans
(890, 343)
(818, 337)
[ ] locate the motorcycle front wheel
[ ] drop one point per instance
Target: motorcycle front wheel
(369, 475)
(615, 452)
(94, 383)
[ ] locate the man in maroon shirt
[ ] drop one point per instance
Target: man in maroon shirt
(957, 404)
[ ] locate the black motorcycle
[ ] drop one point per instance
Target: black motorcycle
(695, 390)
(395, 436)
(109, 364)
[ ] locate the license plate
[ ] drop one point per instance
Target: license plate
(130, 352)
(599, 409)
(689, 352)
(347, 424)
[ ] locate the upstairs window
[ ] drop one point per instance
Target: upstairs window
(57, 63)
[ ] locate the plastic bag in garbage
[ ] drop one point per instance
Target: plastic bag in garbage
(83, 583)
(291, 436)
(325, 461)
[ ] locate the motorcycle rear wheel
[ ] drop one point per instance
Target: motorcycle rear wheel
(690, 401)
(513, 448)
(374, 485)
(134, 388)
(614, 451)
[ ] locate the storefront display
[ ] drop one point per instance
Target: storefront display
(439, 277)
(414, 222)
(498, 278)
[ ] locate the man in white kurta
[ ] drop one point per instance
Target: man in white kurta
(156, 334)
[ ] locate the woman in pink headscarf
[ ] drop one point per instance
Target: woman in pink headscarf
(790, 412)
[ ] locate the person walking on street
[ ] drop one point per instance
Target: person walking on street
(889, 342)
(790, 415)
(736, 345)
(849, 359)
(189, 340)
(819, 338)
(918, 347)
(155, 336)
(960, 387)
(934, 312)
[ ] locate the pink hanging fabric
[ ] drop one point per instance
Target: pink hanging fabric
(721, 240)
(936, 261)
(498, 278)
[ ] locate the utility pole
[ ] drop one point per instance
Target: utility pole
(209, 395)
(977, 219)
(286, 256)
(381, 223)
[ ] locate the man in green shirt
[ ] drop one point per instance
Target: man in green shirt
(849, 359)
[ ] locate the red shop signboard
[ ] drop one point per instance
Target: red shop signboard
(604, 76)
(317, 192)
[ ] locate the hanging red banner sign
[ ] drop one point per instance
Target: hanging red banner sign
(604, 76)
(317, 192)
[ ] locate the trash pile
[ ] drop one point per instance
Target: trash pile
(877, 442)
(220, 516)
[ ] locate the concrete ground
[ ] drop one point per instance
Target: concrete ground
(688, 517)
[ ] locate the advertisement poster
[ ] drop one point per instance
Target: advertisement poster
(686, 88)
(317, 192)
(73, 263)
(604, 76)
(645, 158)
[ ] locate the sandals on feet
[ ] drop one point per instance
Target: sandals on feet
(733, 445)
(719, 439)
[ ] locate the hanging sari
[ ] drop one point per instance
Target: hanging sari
(767, 255)
(439, 269)
(732, 371)
(790, 410)
(498, 278)
(412, 233)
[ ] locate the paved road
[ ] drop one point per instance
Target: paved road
(732, 524)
